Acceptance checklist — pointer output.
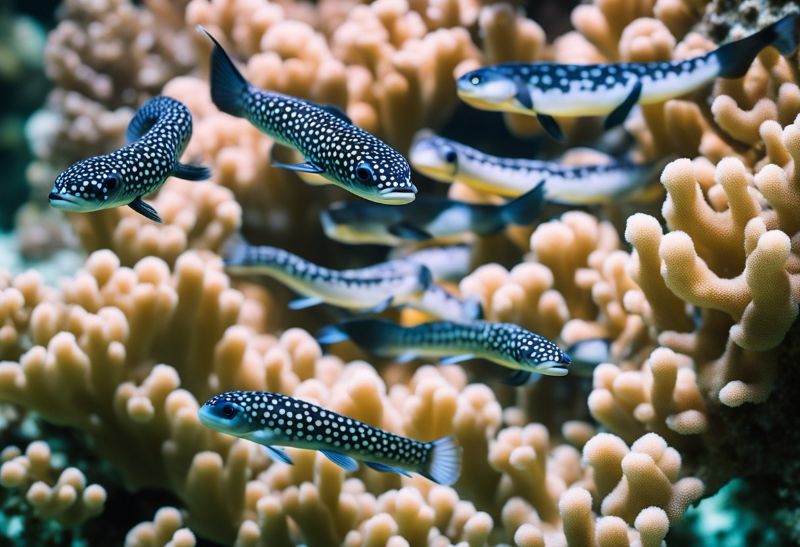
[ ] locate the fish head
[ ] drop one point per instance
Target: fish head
(228, 413)
(374, 170)
(89, 185)
(487, 89)
(537, 353)
(434, 156)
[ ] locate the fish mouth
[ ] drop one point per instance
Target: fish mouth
(68, 202)
(397, 196)
(552, 368)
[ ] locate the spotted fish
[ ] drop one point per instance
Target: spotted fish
(449, 161)
(551, 89)
(427, 218)
(505, 344)
(372, 288)
(275, 420)
(332, 146)
(158, 135)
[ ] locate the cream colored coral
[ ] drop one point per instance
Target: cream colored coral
(166, 529)
(65, 497)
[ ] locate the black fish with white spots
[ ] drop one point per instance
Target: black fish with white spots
(332, 146)
(276, 420)
(158, 135)
(505, 344)
(429, 217)
(552, 89)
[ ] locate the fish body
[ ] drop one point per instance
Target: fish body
(276, 420)
(158, 135)
(446, 263)
(371, 288)
(439, 303)
(427, 218)
(449, 161)
(505, 344)
(553, 89)
(332, 146)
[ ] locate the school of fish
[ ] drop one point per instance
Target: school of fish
(394, 214)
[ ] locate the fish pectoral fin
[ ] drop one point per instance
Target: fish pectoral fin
(305, 167)
(338, 112)
(278, 454)
(342, 460)
(523, 96)
(406, 357)
(303, 303)
(383, 468)
(453, 359)
(518, 378)
(550, 126)
(191, 172)
(406, 230)
(380, 307)
(144, 209)
(622, 110)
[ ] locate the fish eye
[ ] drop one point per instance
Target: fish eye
(364, 172)
(475, 80)
(228, 411)
(112, 182)
(450, 156)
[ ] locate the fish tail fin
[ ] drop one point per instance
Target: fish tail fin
(524, 210)
(228, 86)
(736, 57)
(234, 251)
(444, 462)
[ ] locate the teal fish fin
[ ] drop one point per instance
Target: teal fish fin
(331, 335)
(380, 307)
(278, 454)
(305, 167)
(443, 464)
(303, 303)
(383, 468)
(518, 378)
(342, 460)
(406, 357)
(406, 230)
(525, 209)
(523, 95)
(191, 172)
(453, 359)
(228, 86)
(622, 110)
(338, 112)
(550, 126)
(736, 57)
(144, 209)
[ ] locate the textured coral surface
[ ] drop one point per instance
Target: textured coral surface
(696, 291)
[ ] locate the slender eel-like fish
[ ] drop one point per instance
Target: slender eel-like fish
(372, 288)
(427, 218)
(552, 89)
(506, 344)
(332, 146)
(446, 263)
(449, 161)
(158, 135)
(275, 420)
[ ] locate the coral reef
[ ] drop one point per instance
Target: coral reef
(698, 300)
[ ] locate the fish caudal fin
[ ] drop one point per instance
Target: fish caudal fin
(736, 57)
(228, 86)
(444, 462)
(525, 209)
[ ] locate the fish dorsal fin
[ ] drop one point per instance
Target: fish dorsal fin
(384, 468)
(406, 230)
(278, 454)
(622, 110)
(338, 112)
(144, 209)
(305, 167)
(342, 460)
(550, 125)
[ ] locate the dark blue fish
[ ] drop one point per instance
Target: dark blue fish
(275, 420)
(545, 90)
(158, 133)
(506, 344)
(332, 146)
(427, 218)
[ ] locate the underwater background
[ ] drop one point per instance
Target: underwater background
(115, 329)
